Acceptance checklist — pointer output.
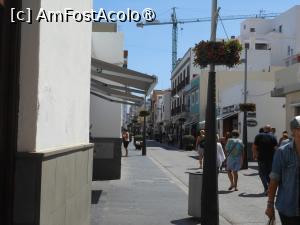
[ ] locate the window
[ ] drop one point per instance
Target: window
(193, 98)
(188, 74)
(261, 46)
(196, 96)
(280, 29)
(244, 26)
(252, 29)
(247, 45)
(289, 51)
(297, 110)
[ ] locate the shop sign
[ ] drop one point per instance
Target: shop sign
(230, 109)
(251, 123)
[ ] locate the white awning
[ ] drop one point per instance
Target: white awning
(125, 82)
(222, 117)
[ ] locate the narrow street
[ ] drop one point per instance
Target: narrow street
(154, 190)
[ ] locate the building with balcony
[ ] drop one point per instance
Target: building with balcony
(192, 99)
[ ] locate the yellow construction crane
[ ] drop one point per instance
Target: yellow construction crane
(174, 22)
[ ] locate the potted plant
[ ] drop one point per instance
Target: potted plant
(188, 142)
(144, 113)
(138, 142)
(219, 53)
(246, 107)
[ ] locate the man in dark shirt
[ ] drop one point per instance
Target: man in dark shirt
(263, 150)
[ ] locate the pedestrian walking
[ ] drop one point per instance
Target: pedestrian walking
(263, 150)
(284, 138)
(285, 176)
(273, 130)
(200, 142)
(125, 138)
(234, 159)
(220, 153)
(224, 141)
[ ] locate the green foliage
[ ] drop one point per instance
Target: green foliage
(144, 113)
(218, 53)
(188, 142)
(138, 138)
(245, 107)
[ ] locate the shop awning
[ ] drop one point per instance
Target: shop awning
(118, 84)
(114, 93)
(221, 117)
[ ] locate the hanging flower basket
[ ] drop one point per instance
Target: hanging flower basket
(144, 113)
(247, 107)
(218, 53)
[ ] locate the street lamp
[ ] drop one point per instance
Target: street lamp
(181, 121)
(245, 139)
(209, 195)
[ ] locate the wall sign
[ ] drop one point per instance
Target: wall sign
(251, 123)
(230, 108)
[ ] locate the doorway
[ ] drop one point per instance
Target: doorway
(230, 123)
(9, 103)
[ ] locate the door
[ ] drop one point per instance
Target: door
(9, 95)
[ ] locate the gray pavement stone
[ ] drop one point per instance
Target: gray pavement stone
(242, 207)
(153, 190)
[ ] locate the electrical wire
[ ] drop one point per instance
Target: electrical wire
(258, 95)
(223, 26)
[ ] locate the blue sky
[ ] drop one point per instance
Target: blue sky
(150, 48)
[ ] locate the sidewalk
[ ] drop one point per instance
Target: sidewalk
(153, 190)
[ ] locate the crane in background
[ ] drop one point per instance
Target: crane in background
(174, 21)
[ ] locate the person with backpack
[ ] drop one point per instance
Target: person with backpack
(263, 149)
(234, 158)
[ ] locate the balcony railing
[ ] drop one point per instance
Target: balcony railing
(179, 109)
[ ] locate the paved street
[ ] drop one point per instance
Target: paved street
(154, 190)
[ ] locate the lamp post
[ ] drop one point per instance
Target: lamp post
(181, 121)
(209, 195)
(245, 139)
(144, 150)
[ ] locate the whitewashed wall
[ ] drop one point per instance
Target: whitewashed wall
(267, 30)
(268, 109)
(106, 117)
(55, 80)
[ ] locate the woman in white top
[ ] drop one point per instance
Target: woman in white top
(220, 153)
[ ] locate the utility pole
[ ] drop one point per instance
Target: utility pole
(144, 150)
(245, 138)
(209, 195)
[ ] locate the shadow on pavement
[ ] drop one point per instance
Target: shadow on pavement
(244, 195)
(250, 174)
(151, 143)
(96, 196)
(224, 192)
(194, 157)
(194, 168)
(186, 221)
